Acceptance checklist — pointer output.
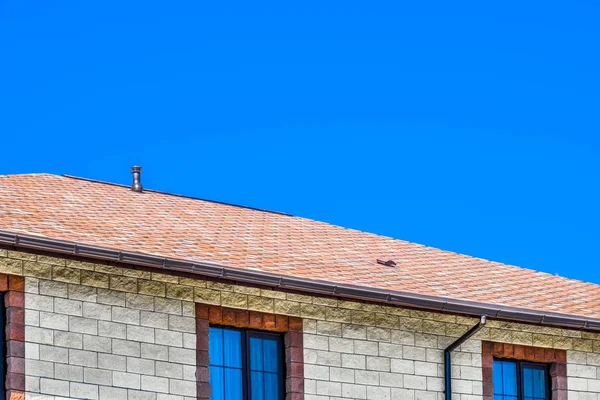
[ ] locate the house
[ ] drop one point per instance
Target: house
(118, 292)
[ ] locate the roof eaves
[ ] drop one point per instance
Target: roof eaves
(208, 269)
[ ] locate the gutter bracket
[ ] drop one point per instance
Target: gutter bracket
(453, 346)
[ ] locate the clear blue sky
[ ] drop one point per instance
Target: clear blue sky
(468, 126)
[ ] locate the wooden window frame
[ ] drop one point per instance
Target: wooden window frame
(554, 359)
(290, 327)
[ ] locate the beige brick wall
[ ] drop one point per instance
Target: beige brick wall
(351, 361)
(87, 342)
(101, 331)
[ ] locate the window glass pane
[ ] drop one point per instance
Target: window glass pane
(257, 386)
(225, 351)
(497, 377)
(534, 383)
(272, 383)
(539, 384)
(234, 385)
(217, 383)
(505, 380)
(271, 355)
(215, 346)
(265, 359)
(509, 379)
(232, 342)
(528, 383)
(256, 354)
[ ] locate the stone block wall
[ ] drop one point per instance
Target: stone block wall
(354, 361)
(95, 330)
(92, 341)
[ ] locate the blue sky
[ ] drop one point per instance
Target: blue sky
(469, 126)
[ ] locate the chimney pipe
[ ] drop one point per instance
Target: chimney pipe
(136, 170)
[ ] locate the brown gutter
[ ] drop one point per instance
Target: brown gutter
(208, 269)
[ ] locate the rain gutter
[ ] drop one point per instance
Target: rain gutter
(214, 270)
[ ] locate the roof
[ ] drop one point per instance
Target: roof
(161, 224)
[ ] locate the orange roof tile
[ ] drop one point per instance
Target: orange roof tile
(161, 224)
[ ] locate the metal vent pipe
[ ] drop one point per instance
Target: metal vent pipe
(136, 170)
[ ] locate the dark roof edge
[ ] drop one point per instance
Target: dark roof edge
(208, 269)
(179, 195)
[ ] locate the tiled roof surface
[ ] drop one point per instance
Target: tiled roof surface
(196, 230)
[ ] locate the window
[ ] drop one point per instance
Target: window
(257, 331)
(245, 364)
(517, 380)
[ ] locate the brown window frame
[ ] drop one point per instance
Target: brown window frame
(13, 289)
(555, 359)
(290, 327)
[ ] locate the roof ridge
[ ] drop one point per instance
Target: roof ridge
(177, 195)
(28, 174)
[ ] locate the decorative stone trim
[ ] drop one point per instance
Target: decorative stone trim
(557, 360)
(293, 342)
(14, 302)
